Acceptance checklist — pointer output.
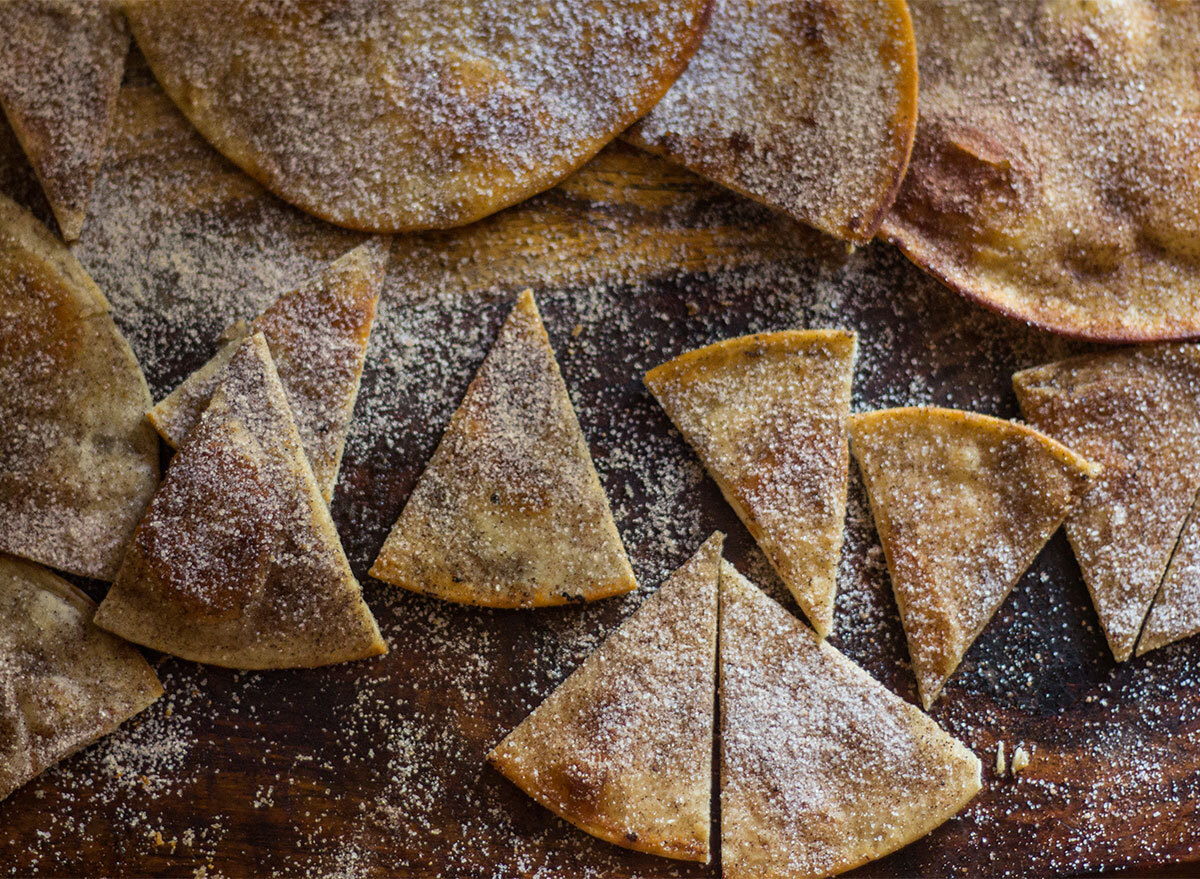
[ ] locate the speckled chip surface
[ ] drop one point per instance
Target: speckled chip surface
(318, 337)
(822, 767)
(63, 682)
(78, 461)
(60, 70)
(963, 504)
(766, 415)
(1055, 175)
(1137, 413)
(390, 116)
(809, 107)
(623, 747)
(509, 511)
(237, 562)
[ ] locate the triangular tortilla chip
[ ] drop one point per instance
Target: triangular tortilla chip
(822, 767)
(237, 562)
(808, 107)
(1136, 412)
(623, 748)
(509, 511)
(963, 504)
(1175, 613)
(78, 462)
(766, 414)
(318, 338)
(63, 682)
(60, 70)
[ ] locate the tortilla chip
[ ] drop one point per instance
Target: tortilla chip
(1055, 175)
(766, 414)
(623, 748)
(1137, 413)
(509, 511)
(63, 682)
(809, 107)
(391, 117)
(318, 338)
(78, 462)
(60, 71)
(822, 767)
(963, 504)
(237, 562)
(1175, 613)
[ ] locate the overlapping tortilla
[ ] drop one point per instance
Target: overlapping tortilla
(806, 105)
(237, 562)
(393, 115)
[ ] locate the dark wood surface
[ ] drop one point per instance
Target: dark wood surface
(376, 768)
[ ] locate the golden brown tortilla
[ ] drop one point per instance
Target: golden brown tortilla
(805, 105)
(822, 767)
(509, 511)
(766, 414)
(63, 682)
(963, 504)
(1137, 413)
(623, 748)
(60, 70)
(392, 115)
(1175, 613)
(78, 462)
(318, 338)
(1056, 171)
(237, 562)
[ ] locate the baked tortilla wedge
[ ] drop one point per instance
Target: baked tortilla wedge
(237, 562)
(78, 461)
(318, 337)
(63, 682)
(1175, 613)
(60, 70)
(1137, 413)
(623, 748)
(807, 107)
(822, 767)
(766, 415)
(1055, 175)
(509, 511)
(396, 115)
(963, 504)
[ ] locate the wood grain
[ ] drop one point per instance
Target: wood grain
(376, 768)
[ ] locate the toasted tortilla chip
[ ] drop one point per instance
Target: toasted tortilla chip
(509, 511)
(390, 116)
(963, 504)
(807, 107)
(318, 338)
(60, 70)
(822, 767)
(766, 414)
(1137, 413)
(237, 562)
(623, 748)
(1055, 175)
(1175, 613)
(78, 462)
(63, 682)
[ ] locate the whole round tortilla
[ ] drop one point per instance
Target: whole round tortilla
(394, 115)
(808, 106)
(1056, 171)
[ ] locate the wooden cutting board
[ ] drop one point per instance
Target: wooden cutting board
(376, 768)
